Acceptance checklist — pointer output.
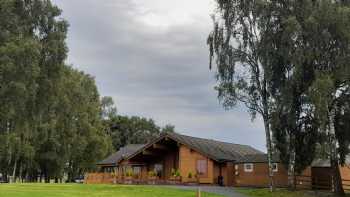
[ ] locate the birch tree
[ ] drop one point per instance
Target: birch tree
(236, 48)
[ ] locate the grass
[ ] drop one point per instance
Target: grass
(81, 190)
(277, 193)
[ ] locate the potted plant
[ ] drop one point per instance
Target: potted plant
(152, 177)
(175, 176)
(191, 178)
(128, 177)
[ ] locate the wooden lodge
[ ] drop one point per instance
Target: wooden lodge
(178, 159)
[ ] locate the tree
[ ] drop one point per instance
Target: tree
(168, 128)
(126, 130)
(293, 123)
(50, 115)
(236, 45)
(330, 44)
(109, 110)
(132, 130)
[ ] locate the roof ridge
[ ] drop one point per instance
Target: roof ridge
(210, 139)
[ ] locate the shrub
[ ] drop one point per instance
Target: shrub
(152, 173)
(175, 173)
(129, 173)
(190, 175)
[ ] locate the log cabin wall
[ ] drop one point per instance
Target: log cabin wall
(188, 164)
(258, 177)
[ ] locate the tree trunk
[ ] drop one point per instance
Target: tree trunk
(14, 171)
(20, 173)
(337, 180)
(269, 151)
(291, 167)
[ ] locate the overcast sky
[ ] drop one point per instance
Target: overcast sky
(151, 57)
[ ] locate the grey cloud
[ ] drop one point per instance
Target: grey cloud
(154, 72)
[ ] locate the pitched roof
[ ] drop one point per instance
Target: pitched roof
(216, 150)
(122, 153)
(258, 158)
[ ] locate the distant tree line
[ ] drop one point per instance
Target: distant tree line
(125, 130)
(53, 122)
(288, 61)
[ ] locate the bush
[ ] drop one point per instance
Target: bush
(129, 173)
(152, 173)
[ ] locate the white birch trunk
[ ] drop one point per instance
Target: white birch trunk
(291, 167)
(269, 152)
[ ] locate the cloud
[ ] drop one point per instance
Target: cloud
(151, 57)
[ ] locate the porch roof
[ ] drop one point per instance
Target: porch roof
(123, 152)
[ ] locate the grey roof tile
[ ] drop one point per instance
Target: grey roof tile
(122, 153)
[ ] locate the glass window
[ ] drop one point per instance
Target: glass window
(248, 167)
(136, 170)
(274, 167)
(202, 167)
(158, 168)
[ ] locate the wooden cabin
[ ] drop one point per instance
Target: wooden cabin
(173, 158)
(178, 157)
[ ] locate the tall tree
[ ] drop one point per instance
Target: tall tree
(293, 123)
(50, 115)
(109, 110)
(237, 46)
(330, 33)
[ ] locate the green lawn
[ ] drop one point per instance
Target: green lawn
(278, 193)
(81, 190)
(267, 193)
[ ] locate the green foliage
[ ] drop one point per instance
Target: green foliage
(168, 128)
(109, 110)
(190, 175)
(152, 173)
(133, 130)
(50, 121)
(129, 172)
(175, 172)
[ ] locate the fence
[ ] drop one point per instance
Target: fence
(101, 178)
(316, 183)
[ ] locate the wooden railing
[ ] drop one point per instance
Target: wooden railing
(99, 178)
(109, 178)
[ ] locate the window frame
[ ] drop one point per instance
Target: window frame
(159, 169)
(273, 167)
(205, 174)
(251, 169)
(137, 170)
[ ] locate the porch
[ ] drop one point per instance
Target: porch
(157, 163)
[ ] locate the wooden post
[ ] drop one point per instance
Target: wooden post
(199, 192)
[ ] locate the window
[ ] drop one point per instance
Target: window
(158, 168)
(137, 170)
(274, 167)
(236, 167)
(248, 167)
(202, 167)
